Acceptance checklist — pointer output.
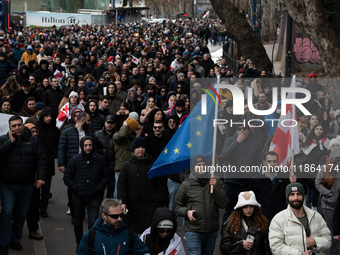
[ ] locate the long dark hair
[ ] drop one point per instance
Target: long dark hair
(311, 135)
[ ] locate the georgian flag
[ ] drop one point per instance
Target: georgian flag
(206, 15)
(64, 114)
(286, 138)
(135, 60)
(58, 75)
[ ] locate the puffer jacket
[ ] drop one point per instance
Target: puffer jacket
(86, 178)
(329, 196)
(6, 67)
(69, 145)
(122, 142)
(21, 77)
(97, 121)
(247, 153)
(231, 245)
(192, 196)
(141, 195)
(22, 159)
(288, 236)
(108, 240)
(105, 146)
(27, 57)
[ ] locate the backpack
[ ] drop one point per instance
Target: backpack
(92, 234)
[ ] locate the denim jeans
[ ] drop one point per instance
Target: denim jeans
(201, 243)
(79, 209)
(313, 197)
(116, 182)
(15, 200)
(45, 194)
(173, 187)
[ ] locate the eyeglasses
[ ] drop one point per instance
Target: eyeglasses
(162, 231)
(157, 127)
(240, 129)
(246, 109)
(115, 216)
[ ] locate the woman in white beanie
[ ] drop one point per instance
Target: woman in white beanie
(246, 229)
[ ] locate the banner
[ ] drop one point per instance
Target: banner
(4, 126)
(48, 19)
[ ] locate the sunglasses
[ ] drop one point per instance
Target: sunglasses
(163, 91)
(162, 231)
(157, 127)
(115, 216)
(246, 109)
(240, 129)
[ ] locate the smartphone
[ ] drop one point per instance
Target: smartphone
(250, 238)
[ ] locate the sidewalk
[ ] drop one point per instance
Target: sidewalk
(216, 52)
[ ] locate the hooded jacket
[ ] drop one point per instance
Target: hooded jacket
(108, 240)
(149, 235)
(193, 195)
(17, 51)
(49, 136)
(22, 159)
(86, 175)
(27, 57)
(41, 74)
(134, 104)
(97, 120)
(31, 70)
(21, 76)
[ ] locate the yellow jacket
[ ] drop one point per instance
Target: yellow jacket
(27, 57)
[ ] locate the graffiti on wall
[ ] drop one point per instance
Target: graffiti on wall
(305, 51)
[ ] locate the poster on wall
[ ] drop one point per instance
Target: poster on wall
(49, 19)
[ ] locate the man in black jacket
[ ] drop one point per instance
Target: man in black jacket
(43, 71)
(49, 136)
(21, 95)
(270, 186)
(97, 120)
(98, 71)
(104, 144)
(22, 156)
(69, 145)
(86, 175)
(53, 96)
(83, 67)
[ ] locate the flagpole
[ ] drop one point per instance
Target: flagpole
(292, 132)
(215, 136)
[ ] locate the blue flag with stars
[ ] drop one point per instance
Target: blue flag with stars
(195, 136)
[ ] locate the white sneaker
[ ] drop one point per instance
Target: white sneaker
(68, 211)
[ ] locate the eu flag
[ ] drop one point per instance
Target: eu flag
(195, 136)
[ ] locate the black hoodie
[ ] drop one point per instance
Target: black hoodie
(40, 73)
(49, 136)
(150, 240)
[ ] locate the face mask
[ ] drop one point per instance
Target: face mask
(278, 111)
(41, 53)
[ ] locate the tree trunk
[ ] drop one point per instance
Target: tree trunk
(269, 21)
(311, 18)
(241, 32)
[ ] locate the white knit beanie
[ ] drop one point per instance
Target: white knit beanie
(73, 93)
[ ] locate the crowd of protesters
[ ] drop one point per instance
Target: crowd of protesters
(106, 100)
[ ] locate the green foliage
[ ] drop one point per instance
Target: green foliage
(332, 10)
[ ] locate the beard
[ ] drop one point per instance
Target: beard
(296, 206)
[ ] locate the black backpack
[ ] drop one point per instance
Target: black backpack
(92, 234)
